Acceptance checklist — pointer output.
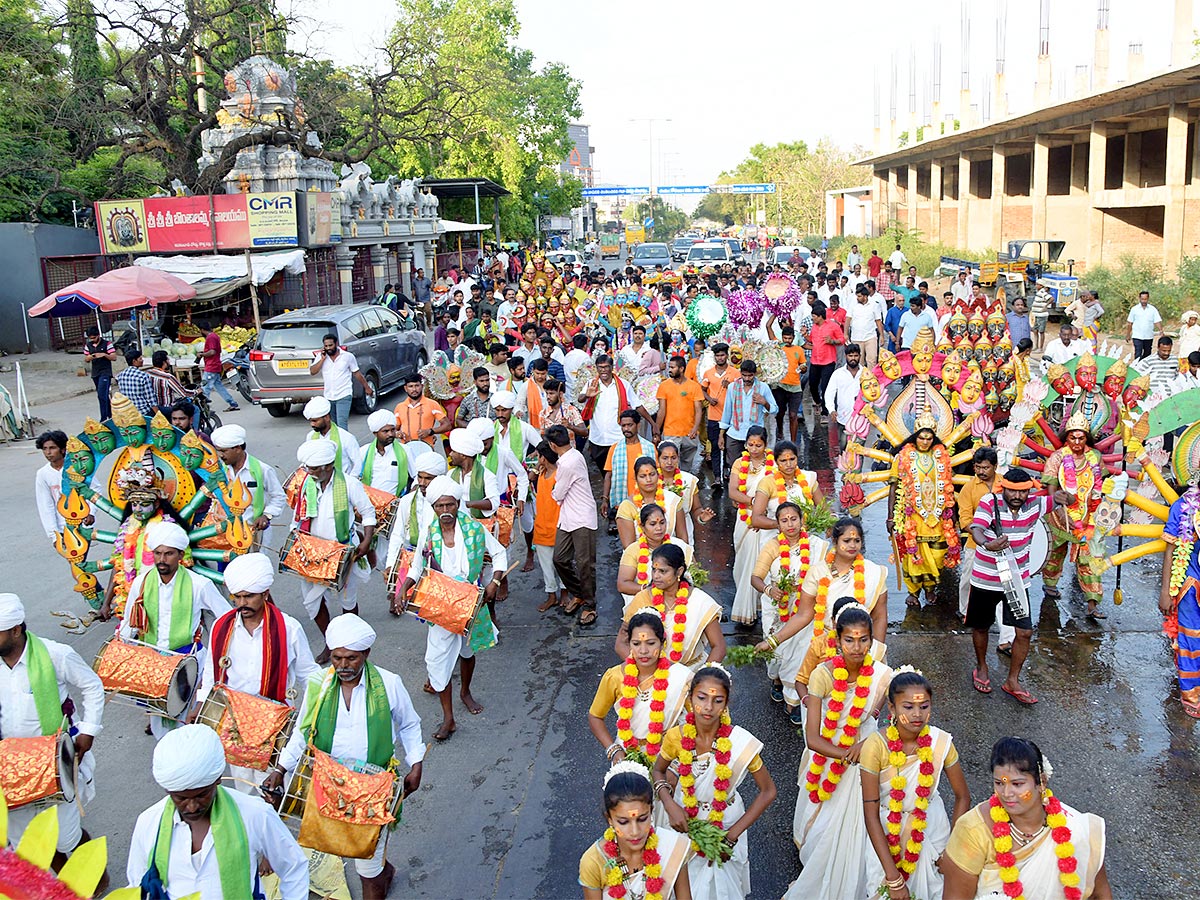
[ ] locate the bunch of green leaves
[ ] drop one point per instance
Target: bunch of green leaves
(786, 582)
(818, 518)
(640, 757)
(746, 655)
(697, 575)
(709, 840)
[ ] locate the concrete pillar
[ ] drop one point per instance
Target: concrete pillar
(1177, 122)
(893, 197)
(1041, 88)
(379, 266)
(914, 199)
(345, 270)
(997, 233)
(1131, 175)
(404, 252)
(879, 200)
(964, 199)
(1037, 194)
(999, 98)
(1182, 50)
(1097, 155)
(1100, 60)
(1079, 174)
(935, 201)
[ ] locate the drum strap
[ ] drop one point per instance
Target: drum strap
(473, 537)
(43, 682)
(229, 843)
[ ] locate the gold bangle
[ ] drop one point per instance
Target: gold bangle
(773, 643)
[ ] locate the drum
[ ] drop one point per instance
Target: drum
(395, 574)
(38, 770)
(162, 681)
(1039, 548)
(443, 601)
(347, 809)
(316, 560)
(385, 509)
(253, 729)
(292, 485)
(501, 524)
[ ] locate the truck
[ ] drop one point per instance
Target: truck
(634, 234)
(610, 244)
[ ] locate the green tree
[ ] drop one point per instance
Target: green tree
(668, 221)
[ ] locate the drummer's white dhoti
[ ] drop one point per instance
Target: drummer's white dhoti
(373, 867)
(70, 828)
(442, 651)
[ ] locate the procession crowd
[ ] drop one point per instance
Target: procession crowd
(561, 406)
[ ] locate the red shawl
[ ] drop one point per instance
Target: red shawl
(275, 654)
(589, 406)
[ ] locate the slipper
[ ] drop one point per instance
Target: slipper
(796, 718)
(587, 618)
(777, 693)
(1022, 695)
(1097, 614)
(1051, 593)
(440, 736)
(572, 606)
(984, 687)
(232, 408)
(1004, 650)
(548, 605)
(1191, 709)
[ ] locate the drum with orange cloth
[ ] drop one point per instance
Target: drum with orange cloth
(38, 770)
(159, 680)
(252, 729)
(316, 560)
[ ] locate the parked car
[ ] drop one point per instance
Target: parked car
(710, 253)
(566, 260)
(680, 247)
(287, 345)
(650, 255)
(735, 247)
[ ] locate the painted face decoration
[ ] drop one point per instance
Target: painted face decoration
(922, 362)
(1076, 441)
(1064, 384)
(889, 364)
(869, 385)
(1113, 385)
(101, 436)
(80, 457)
(1085, 376)
(971, 388)
(951, 371)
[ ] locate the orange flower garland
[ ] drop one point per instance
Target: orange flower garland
(822, 599)
(1056, 820)
(788, 608)
(659, 497)
(679, 624)
(643, 560)
(651, 866)
(722, 755)
(658, 706)
(742, 468)
(821, 789)
(907, 863)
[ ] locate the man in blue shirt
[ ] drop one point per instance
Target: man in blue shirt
(908, 290)
(913, 320)
(748, 401)
(891, 322)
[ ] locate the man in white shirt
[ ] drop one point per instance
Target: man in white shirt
(633, 353)
(842, 390)
(604, 400)
(255, 648)
(260, 479)
(205, 822)
(575, 359)
(318, 412)
(528, 349)
(512, 440)
(156, 594)
(960, 289)
(36, 678)
(47, 483)
(338, 370)
(326, 504)
(414, 512)
(898, 259)
(1144, 322)
(1064, 348)
(504, 312)
(865, 325)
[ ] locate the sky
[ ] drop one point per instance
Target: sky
(717, 80)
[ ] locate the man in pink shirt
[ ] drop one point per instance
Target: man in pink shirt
(212, 366)
(575, 540)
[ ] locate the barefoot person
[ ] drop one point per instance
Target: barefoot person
(457, 546)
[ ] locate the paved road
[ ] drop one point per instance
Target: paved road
(512, 800)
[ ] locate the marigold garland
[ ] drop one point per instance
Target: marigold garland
(742, 470)
(788, 607)
(723, 774)
(781, 494)
(651, 866)
(658, 706)
(1056, 821)
(679, 623)
(906, 861)
(1186, 541)
(676, 486)
(822, 599)
(643, 559)
(821, 788)
(659, 497)
(906, 512)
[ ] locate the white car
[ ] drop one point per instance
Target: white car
(781, 255)
(710, 253)
(566, 260)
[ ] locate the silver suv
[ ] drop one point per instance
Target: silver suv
(288, 344)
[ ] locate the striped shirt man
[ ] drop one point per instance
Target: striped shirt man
(1017, 526)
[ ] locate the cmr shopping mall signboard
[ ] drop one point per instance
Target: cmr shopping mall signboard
(204, 223)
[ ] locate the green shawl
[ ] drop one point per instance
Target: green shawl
(229, 843)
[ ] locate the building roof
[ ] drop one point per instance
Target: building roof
(454, 188)
(1155, 90)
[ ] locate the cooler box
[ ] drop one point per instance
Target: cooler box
(1062, 288)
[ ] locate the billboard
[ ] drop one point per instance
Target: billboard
(320, 216)
(191, 224)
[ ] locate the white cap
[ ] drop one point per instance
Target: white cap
(251, 574)
(189, 758)
(431, 463)
(484, 429)
(229, 436)
(166, 534)
(507, 399)
(349, 632)
(464, 442)
(316, 407)
(443, 486)
(320, 452)
(12, 611)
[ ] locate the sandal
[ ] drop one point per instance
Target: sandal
(1096, 614)
(1050, 592)
(572, 606)
(984, 687)
(1004, 650)
(796, 717)
(777, 693)
(912, 601)
(1022, 696)
(1191, 709)
(587, 618)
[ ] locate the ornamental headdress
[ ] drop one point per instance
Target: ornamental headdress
(75, 445)
(1086, 360)
(91, 427)
(1055, 371)
(996, 317)
(1078, 422)
(160, 422)
(923, 342)
(626, 766)
(1118, 369)
(958, 317)
(907, 668)
(124, 413)
(1142, 381)
(926, 421)
(138, 480)
(944, 345)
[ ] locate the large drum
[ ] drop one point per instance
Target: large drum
(444, 601)
(500, 524)
(38, 770)
(340, 806)
(385, 509)
(161, 681)
(316, 560)
(1039, 548)
(252, 729)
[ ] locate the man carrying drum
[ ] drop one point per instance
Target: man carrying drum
(325, 507)
(203, 839)
(459, 547)
(413, 515)
(318, 412)
(267, 499)
(384, 464)
(165, 602)
(355, 713)
(34, 683)
(257, 648)
(522, 438)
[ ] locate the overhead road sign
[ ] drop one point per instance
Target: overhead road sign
(684, 189)
(768, 188)
(614, 191)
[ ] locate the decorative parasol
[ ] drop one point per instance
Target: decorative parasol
(705, 316)
(746, 307)
(782, 295)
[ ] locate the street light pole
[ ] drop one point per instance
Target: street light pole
(650, 121)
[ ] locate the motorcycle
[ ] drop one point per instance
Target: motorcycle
(236, 370)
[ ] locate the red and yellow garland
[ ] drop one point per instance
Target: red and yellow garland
(787, 608)
(741, 470)
(658, 706)
(822, 599)
(722, 754)
(907, 863)
(679, 623)
(676, 481)
(905, 513)
(821, 788)
(659, 497)
(651, 865)
(781, 494)
(643, 560)
(1056, 820)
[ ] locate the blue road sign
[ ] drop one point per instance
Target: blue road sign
(648, 222)
(753, 188)
(614, 191)
(684, 189)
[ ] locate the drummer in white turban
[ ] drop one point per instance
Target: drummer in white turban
(206, 839)
(255, 648)
(260, 479)
(325, 505)
(507, 442)
(465, 551)
(319, 415)
(481, 490)
(166, 602)
(385, 465)
(351, 701)
(413, 515)
(37, 679)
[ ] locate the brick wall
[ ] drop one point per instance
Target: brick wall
(1135, 230)
(1018, 221)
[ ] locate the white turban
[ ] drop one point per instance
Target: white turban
(430, 463)
(229, 436)
(381, 418)
(320, 452)
(507, 399)
(464, 442)
(316, 407)
(443, 486)
(251, 573)
(348, 632)
(484, 429)
(166, 534)
(189, 758)
(12, 611)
